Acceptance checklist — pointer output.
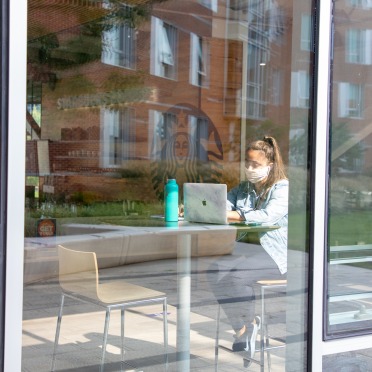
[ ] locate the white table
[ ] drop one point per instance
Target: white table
(185, 231)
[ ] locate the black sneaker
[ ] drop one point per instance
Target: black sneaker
(241, 343)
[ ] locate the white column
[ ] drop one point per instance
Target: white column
(16, 185)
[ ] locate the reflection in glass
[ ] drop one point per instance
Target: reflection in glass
(122, 97)
(349, 278)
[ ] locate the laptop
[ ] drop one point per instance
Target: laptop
(205, 202)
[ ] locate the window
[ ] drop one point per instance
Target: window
(33, 112)
(361, 3)
(199, 53)
(199, 129)
(160, 130)
(256, 81)
(359, 46)
(210, 4)
(277, 87)
(306, 32)
(351, 99)
(300, 89)
(258, 55)
(163, 53)
(118, 137)
(118, 45)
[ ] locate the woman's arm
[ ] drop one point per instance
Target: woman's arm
(234, 216)
(274, 209)
(232, 197)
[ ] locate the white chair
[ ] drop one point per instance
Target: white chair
(265, 338)
(79, 279)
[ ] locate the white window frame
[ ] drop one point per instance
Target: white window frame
(199, 61)
(345, 99)
(163, 49)
(300, 89)
(117, 137)
(358, 46)
(306, 22)
(365, 4)
(159, 132)
(119, 46)
(277, 87)
(199, 130)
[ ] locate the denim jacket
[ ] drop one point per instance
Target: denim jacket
(273, 210)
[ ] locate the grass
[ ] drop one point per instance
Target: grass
(347, 228)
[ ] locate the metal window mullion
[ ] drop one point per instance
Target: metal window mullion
(320, 180)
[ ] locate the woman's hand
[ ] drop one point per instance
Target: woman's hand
(234, 216)
(181, 210)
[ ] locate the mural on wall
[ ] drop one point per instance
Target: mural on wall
(186, 146)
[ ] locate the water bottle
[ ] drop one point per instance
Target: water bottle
(171, 201)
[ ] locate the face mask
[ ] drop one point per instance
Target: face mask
(258, 174)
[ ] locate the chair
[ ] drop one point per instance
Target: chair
(265, 338)
(79, 279)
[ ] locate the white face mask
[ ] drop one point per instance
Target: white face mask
(258, 174)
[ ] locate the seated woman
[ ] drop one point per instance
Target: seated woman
(262, 199)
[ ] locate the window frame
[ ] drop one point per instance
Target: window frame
(165, 36)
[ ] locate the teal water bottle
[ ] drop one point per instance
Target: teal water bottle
(171, 201)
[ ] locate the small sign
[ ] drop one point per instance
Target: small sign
(48, 189)
(46, 227)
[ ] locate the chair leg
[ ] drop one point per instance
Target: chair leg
(217, 338)
(104, 343)
(263, 325)
(122, 336)
(165, 331)
(58, 328)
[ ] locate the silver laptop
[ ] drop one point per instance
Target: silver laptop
(205, 202)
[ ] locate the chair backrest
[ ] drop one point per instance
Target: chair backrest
(78, 272)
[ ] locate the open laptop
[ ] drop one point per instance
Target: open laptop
(205, 202)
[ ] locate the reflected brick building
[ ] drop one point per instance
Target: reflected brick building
(151, 86)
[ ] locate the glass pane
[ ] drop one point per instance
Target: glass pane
(349, 361)
(121, 98)
(349, 277)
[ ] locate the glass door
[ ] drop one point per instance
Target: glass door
(120, 98)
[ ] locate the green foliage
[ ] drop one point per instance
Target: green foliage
(84, 197)
(117, 81)
(131, 173)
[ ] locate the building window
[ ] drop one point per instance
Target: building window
(33, 113)
(118, 137)
(306, 32)
(160, 131)
(359, 46)
(351, 97)
(119, 46)
(199, 61)
(277, 87)
(199, 129)
(163, 50)
(210, 4)
(256, 80)
(300, 88)
(366, 4)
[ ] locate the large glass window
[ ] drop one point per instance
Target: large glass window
(349, 278)
(122, 97)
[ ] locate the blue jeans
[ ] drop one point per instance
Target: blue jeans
(232, 279)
